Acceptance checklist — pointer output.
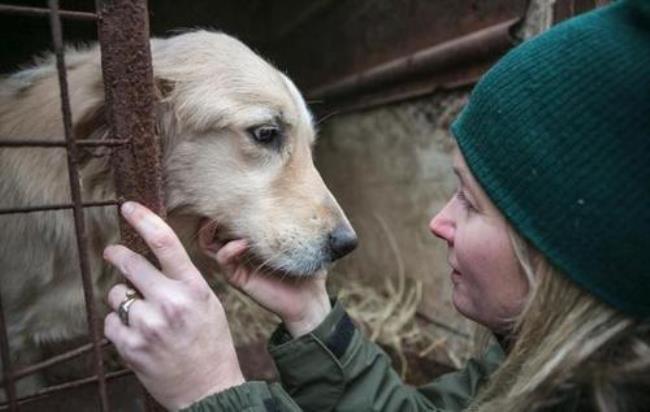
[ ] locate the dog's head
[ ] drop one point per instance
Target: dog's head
(237, 142)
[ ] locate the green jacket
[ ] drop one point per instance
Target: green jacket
(335, 368)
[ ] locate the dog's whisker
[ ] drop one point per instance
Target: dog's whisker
(326, 117)
(265, 265)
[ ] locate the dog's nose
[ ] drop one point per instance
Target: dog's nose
(342, 240)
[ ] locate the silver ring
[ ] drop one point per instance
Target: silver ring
(123, 310)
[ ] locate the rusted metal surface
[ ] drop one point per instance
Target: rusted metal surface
(123, 32)
(477, 46)
(44, 208)
(363, 53)
(44, 12)
(128, 82)
(62, 143)
(75, 191)
(353, 36)
(369, 77)
(67, 386)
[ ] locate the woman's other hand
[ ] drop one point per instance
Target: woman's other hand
(301, 302)
(177, 340)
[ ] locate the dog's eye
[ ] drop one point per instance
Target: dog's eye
(268, 135)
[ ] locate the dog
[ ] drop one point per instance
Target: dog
(236, 139)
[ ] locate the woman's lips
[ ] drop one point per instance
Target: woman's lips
(455, 274)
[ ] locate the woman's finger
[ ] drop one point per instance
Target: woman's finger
(146, 278)
(162, 241)
(144, 319)
(117, 295)
(227, 256)
(126, 340)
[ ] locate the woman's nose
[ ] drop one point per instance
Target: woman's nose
(443, 225)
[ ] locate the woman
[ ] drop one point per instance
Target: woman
(548, 238)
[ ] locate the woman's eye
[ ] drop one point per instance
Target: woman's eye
(463, 200)
(265, 134)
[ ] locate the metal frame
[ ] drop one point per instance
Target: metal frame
(123, 31)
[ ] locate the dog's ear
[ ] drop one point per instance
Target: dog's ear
(165, 118)
(162, 88)
(91, 121)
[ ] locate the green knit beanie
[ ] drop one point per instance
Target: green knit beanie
(558, 135)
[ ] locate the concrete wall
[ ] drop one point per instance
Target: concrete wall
(392, 164)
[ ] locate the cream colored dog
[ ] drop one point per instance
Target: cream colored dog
(236, 139)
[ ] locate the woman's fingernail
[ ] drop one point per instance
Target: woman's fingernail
(106, 251)
(128, 208)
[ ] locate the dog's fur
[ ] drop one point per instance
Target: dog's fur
(218, 180)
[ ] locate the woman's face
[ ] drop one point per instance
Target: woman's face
(488, 284)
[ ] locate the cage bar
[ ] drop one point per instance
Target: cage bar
(123, 32)
(45, 208)
(71, 354)
(62, 143)
(135, 157)
(73, 174)
(45, 392)
(44, 12)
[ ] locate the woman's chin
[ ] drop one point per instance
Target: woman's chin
(464, 305)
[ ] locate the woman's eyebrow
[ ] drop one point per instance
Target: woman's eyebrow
(460, 175)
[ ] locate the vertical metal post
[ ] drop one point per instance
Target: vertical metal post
(123, 31)
(75, 191)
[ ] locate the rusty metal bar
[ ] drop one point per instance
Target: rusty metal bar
(45, 208)
(73, 173)
(123, 32)
(7, 371)
(62, 143)
(31, 369)
(66, 386)
(478, 45)
(44, 12)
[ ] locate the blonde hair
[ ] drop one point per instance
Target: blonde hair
(568, 346)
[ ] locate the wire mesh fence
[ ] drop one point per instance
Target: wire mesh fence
(123, 32)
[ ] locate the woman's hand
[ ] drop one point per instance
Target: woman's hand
(301, 303)
(177, 340)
